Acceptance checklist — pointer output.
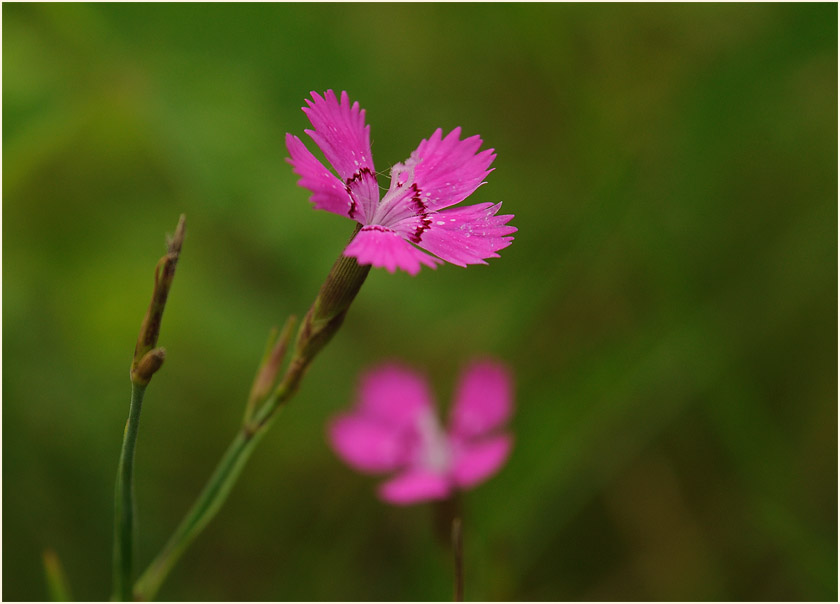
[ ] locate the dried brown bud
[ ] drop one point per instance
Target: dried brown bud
(164, 275)
(148, 366)
(269, 370)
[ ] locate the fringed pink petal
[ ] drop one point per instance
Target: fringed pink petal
(467, 235)
(483, 400)
(394, 394)
(475, 462)
(369, 446)
(415, 486)
(340, 132)
(328, 192)
(447, 170)
(382, 247)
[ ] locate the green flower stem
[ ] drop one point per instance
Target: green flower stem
(458, 557)
(124, 500)
(202, 511)
(320, 324)
(323, 320)
(219, 486)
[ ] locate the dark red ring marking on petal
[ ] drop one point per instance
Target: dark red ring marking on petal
(422, 213)
(357, 177)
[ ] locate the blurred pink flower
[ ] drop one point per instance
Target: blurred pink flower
(441, 172)
(394, 428)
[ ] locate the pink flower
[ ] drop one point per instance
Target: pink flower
(394, 428)
(441, 172)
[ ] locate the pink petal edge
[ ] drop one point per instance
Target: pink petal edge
(415, 486)
(394, 394)
(328, 192)
(475, 462)
(340, 132)
(468, 235)
(483, 399)
(368, 446)
(448, 170)
(382, 247)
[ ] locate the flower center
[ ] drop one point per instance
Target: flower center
(435, 454)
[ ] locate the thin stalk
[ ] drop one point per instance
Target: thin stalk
(458, 555)
(218, 487)
(124, 500)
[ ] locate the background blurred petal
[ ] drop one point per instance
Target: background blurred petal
(483, 399)
(415, 486)
(477, 461)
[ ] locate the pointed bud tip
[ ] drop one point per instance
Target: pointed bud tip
(272, 362)
(175, 241)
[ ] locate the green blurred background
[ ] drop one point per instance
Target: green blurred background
(669, 305)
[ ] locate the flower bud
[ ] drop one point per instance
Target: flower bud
(269, 370)
(319, 326)
(148, 366)
(150, 327)
(327, 312)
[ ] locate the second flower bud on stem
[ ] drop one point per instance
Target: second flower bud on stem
(269, 370)
(320, 324)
